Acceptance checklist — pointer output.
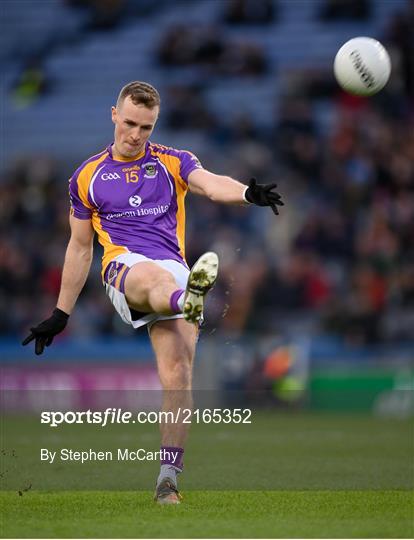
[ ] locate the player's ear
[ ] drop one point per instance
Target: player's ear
(113, 114)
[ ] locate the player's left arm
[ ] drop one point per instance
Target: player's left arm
(227, 190)
(216, 187)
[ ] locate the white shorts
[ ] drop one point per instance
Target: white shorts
(114, 282)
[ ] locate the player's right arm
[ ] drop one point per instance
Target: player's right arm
(77, 263)
(76, 267)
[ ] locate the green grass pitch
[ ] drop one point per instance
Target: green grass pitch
(242, 514)
(287, 475)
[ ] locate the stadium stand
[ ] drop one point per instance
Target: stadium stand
(260, 100)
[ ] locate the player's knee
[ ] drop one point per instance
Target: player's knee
(158, 279)
(140, 285)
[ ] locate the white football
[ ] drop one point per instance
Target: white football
(362, 66)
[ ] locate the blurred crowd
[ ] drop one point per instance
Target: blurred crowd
(337, 261)
(207, 47)
(340, 257)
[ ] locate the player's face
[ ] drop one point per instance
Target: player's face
(133, 126)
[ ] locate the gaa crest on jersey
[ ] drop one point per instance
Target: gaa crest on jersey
(110, 176)
(150, 170)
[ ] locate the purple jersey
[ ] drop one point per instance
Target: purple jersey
(136, 205)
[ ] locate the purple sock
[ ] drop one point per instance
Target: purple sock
(174, 301)
(172, 455)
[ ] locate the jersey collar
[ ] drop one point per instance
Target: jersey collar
(135, 158)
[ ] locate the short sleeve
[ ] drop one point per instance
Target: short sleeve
(188, 163)
(79, 205)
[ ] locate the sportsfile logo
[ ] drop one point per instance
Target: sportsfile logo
(116, 415)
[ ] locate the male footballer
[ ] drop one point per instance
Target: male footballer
(132, 196)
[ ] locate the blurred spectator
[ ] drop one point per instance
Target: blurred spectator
(249, 11)
(358, 318)
(400, 33)
(32, 83)
(242, 59)
(187, 109)
(183, 45)
(103, 14)
(346, 9)
(205, 46)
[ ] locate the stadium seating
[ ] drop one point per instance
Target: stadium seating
(81, 64)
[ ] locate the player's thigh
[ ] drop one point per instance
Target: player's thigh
(141, 279)
(174, 343)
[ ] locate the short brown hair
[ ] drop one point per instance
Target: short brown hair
(141, 93)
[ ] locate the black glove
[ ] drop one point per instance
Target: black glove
(44, 332)
(262, 195)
